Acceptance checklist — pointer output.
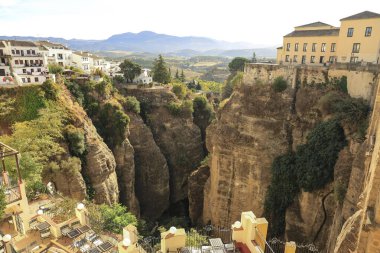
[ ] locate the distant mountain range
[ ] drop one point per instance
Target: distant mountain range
(155, 43)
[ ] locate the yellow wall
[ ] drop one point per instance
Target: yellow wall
(309, 53)
(369, 46)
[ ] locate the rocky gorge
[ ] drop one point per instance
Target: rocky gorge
(156, 168)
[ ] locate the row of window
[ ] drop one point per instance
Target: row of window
(22, 52)
(313, 58)
(313, 47)
(29, 62)
(367, 33)
(31, 70)
(355, 47)
(29, 80)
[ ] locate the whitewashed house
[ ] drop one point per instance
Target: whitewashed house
(23, 61)
(82, 60)
(144, 78)
(56, 53)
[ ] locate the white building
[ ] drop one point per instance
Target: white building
(145, 77)
(82, 60)
(22, 63)
(56, 53)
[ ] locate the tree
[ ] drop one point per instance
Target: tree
(182, 77)
(130, 70)
(179, 90)
(237, 64)
(160, 71)
(116, 217)
(254, 60)
(176, 75)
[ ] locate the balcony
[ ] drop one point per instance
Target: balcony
(28, 55)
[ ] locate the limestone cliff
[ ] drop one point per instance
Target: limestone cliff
(125, 169)
(250, 131)
(152, 173)
(100, 163)
(178, 138)
(197, 180)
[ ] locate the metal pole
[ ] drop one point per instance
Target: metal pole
(18, 170)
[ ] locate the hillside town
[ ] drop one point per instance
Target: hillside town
(26, 62)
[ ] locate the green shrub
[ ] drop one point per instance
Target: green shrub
(311, 167)
(116, 217)
(184, 109)
(112, 124)
(76, 139)
(351, 112)
(76, 91)
(118, 79)
(51, 89)
(55, 69)
(34, 189)
(279, 84)
(174, 108)
(281, 191)
(179, 90)
(316, 159)
(132, 104)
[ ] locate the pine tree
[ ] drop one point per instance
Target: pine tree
(182, 77)
(161, 73)
(254, 60)
(176, 75)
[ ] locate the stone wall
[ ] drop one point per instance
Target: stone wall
(360, 80)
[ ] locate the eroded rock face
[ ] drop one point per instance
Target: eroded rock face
(178, 138)
(152, 173)
(249, 133)
(197, 181)
(100, 162)
(125, 169)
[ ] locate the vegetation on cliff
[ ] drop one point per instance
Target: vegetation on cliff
(311, 166)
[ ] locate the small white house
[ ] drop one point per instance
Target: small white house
(145, 77)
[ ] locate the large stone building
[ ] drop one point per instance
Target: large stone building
(356, 40)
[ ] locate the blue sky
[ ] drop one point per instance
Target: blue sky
(261, 22)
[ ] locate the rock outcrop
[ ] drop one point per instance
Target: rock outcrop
(250, 131)
(100, 163)
(197, 181)
(178, 138)
(125, 170)
(152, 173)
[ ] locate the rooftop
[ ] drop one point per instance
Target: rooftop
(21, 43)
(362, 15)
(51, 44)
(314, 33)
(315, 24)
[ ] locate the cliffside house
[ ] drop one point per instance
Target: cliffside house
(56, 53)
(144, 78)
(29, 227)
(22, 63)
(89, 62)
(357, 40)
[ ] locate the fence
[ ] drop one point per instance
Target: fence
(195, 239)
(275, 245)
